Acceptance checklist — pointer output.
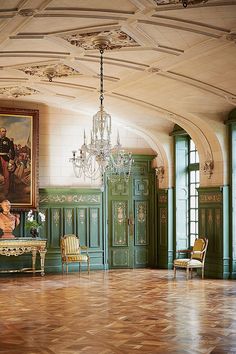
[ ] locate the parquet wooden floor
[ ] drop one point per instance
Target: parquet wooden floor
(117, 312)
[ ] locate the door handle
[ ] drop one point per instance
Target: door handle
(130, 221)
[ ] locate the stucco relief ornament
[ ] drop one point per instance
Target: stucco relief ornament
(17, 91)
(117, 39)
(208, 168)
(49, 71)
(160, 171)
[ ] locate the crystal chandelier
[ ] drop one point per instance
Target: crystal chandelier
(98, 157)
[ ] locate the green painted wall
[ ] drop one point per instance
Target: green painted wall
(91, 215)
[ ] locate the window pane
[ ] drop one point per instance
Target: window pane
(192, 176)
(192, 215)
(192, 145)
(193, 189)
(192, 239)
(192, 227)
(192, 202)
(192, 156)
(197, 157)
(197, 176)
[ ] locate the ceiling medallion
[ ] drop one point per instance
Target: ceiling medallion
(17, 91)
(49, 71)
(118, 39)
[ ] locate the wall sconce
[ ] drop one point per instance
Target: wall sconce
(208, 168)
(160, 171)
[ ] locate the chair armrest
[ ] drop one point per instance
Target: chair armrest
(183, 251)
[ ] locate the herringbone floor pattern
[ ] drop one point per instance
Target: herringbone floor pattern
(117, 312)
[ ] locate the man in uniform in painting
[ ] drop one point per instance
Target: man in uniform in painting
(7, 156)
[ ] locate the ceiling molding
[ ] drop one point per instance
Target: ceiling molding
(199, 84)
(84, 29)
(191, 23)
(181, 28)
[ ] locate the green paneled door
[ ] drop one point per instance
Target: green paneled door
(120, 229)
(130, 219)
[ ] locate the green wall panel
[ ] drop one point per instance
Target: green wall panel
(165, 228)
(94, 228)
(77, 211)
(82, 224)
(141, 222)
(213, 224)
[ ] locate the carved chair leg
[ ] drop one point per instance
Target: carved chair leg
(202, 273)
(80, 267)
(88, 265)
(187, 273)
(174, 272)
(66, 268)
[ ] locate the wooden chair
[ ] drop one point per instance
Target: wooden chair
(196, 259)
(72, 252)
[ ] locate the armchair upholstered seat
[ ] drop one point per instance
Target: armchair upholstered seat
(196, 259)
(72, 252)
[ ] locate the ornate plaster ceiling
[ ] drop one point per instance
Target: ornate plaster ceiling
(165, 64)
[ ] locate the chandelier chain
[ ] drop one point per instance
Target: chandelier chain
(101, 77)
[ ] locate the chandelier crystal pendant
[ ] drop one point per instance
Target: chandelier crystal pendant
(98, 157)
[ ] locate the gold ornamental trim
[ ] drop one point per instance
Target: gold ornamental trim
(210, 198)
(76, 198)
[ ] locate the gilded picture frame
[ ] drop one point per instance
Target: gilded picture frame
(19, 136)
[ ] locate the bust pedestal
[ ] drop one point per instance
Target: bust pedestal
(8, 235)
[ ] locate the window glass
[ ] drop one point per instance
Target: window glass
(194, 178)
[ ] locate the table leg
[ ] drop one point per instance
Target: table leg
(42, 260)
(34, 252)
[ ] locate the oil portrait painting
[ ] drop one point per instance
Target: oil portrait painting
(19, 157)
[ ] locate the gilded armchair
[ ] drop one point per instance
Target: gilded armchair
(195, 260)
(72, 252)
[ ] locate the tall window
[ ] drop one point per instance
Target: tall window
(193, 168)
(185, 193)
